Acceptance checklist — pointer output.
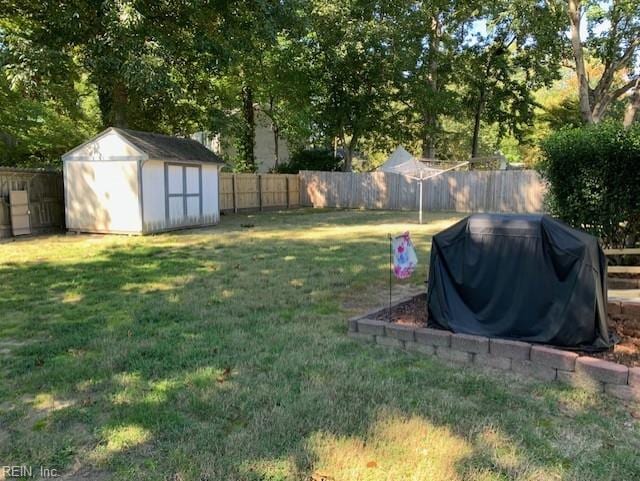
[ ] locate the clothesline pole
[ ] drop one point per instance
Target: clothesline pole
(422, 178)
(420, 215)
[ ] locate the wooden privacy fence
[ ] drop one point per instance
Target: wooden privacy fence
(258, 191)
(46, 198)
(471, 191)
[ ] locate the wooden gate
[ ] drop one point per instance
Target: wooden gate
(45, 198)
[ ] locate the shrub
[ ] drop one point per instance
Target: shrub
(593, 174)
(310, 159)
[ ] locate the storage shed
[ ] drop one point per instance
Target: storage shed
(130, 182)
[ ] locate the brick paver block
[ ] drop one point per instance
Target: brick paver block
(614, 308)
(416, 347)
(602, 370)
(508, 348)
(531, 369)
(634, 376)
(404, 333)
(433, 337)
(626, 393)
(631, 308)
(389, 341)
(470, 343)
(567, 377)
(550, 357)
(490, 360)
(358, 336)
(453, 355)
(371, 326)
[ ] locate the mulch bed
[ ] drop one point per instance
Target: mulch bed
(627, 351)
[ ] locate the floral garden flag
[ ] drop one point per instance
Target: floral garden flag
(404, 256)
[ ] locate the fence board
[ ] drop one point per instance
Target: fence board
(464, 191)
(258, 191)
(46, 198)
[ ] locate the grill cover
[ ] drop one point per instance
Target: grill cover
(524, 277)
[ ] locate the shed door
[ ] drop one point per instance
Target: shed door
(184, 193)
(20, 214)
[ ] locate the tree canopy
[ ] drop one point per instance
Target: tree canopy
(447, 78)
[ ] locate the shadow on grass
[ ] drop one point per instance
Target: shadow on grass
(220, 354)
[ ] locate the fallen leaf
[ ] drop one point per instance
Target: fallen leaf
(225, 375)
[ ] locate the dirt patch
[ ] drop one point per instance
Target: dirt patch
(627, 351)
(412, 312)
(42, 405)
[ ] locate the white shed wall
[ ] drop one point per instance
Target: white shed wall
(210, 197)
(109, 146)
(102, 196)
(154, 200)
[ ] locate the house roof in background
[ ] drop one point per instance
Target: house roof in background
(166, 147)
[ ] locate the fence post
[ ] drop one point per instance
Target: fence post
(260, 190)
(287, 187)
(234, 193)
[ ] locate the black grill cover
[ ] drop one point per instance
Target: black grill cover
(525, 277)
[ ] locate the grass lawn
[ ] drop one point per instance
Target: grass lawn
(221, 354)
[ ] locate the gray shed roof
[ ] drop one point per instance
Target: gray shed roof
(165, 147)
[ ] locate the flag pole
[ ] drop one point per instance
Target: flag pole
(390, 272)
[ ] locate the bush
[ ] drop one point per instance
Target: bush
(310, 159)
(594, 180)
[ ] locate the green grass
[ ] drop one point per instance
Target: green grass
(221, 354)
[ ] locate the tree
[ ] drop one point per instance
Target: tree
(504, 66)
(37, 131)
(614, 40)
(41, 120)
(260, 76)
(633, 107)
(146, 59)
(346, 60)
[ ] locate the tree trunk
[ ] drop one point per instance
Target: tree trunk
(249, 133)
(348, 160)
(428, 138)
(113, 100)
(276, 132)
(578, 55)
(430, 119)
(349, 148)
(276, 141)
(633, 107)
(476, 125)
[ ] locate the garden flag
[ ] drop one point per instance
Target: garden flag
(404, 256)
